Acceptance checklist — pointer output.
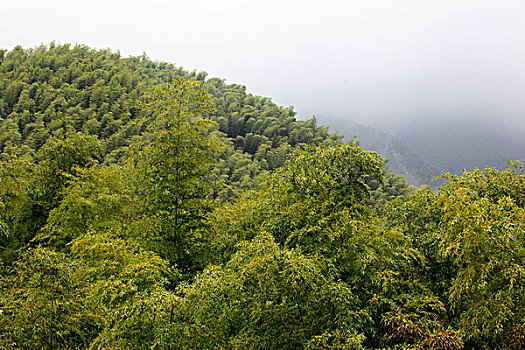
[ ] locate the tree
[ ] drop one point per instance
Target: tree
(99, 198)
(482, 226)
(173, 166)
(393, 186)
(107, 293)
(265, 297)
(15, 199)
(318, 185)
(126, 290)
(300, 203)
(318, 203)
(42, 303)
(57, 163)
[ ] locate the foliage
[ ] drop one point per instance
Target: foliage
(264, 298)
(392, 187)
(57, 161)
(15, 199)
(42, 303)
(483, 212)
(418, 218)
(172, 168)
(126, 291)
(318, 203)
(31, 188)
(143, 206)
(96, 297)
(49, 89)
(316, 188)
(98, 199)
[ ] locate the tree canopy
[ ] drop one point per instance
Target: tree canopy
(144, 206)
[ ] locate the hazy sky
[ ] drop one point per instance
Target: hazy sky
(373, 61)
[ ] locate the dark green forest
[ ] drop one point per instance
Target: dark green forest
(143, 206)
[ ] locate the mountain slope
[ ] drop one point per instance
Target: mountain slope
(60, 89)
(401, 159)
(454, 145)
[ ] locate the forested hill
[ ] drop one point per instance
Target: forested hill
(55, 89)
(146, 207)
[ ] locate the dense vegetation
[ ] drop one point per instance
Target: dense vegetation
(47, 91)
(142, 206)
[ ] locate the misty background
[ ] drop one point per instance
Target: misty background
(438, 83)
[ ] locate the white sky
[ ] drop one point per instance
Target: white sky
(373, 61)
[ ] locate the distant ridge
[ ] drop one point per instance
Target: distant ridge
(423, 150)
(454, 145)
(402, 160)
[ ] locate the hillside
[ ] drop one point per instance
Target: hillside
(48, 91)
(421, 151)
(402, 160)
(454, 145)
(143, 206)
(94, 101)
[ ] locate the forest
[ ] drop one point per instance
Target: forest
(144, 206)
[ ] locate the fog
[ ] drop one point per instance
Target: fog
(378, 62)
